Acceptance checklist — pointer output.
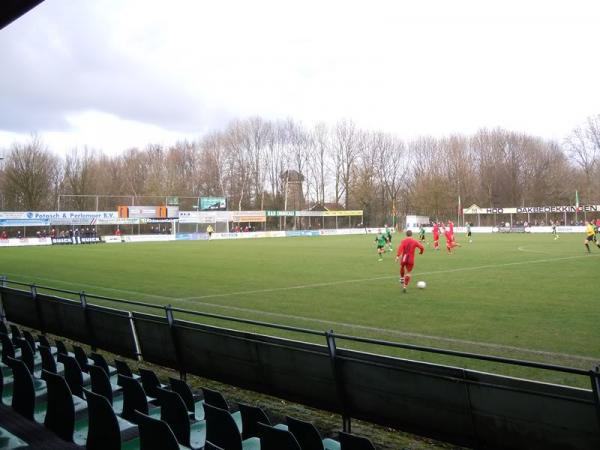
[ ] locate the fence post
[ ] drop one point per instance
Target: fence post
(337, 377)
(38, 311)
(175, 340)
(88, 322)
(595, 379)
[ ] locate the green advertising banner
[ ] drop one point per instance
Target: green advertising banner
(212, 204)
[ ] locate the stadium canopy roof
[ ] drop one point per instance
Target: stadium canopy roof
(11, 10)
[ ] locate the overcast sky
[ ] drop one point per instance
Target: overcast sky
(112, 74)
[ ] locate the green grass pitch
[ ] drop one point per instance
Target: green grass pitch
(520, 296)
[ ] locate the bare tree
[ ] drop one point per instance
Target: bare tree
(31, 177)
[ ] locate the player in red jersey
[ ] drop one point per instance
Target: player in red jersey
(406, 256)
(451, 228)
(436, 236)
(450, 244)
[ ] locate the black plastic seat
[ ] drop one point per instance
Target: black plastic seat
(353, 442)
(216, 399)
(4, 328)
(8, 348)
(309, 437)
(155, 434)
(150, 382)
(195, 407)
(174, 412)
(23, 390)
(15, 332)
(60, 415)
(30, 340)
(222, 430)
(100, 361)
(134, 398)
(26, 354)
(106, 431)
(251, 417)
(48, 362)
(100, 384)
(61, 349)
(123, 369)
(43, 340)
(75, 378)
(272, 438)
(82, 358)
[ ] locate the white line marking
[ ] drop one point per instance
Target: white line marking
(523, 249)
(361, 280)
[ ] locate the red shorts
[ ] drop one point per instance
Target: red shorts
(436, 237)
(407, 267)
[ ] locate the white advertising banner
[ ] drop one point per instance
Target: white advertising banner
(533, 209)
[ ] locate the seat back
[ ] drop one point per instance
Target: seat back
(272, 438)
(8, 349)
(134, 398)
(48, 362)
(100, 383)
(23, 397)
(103, 426)
(81, 357)
(26, 353)
(184, 391)
(174, 412)
(150, 382)
(353, 442)
(73, 375)
(155, 434)
(305, 433)
(3, 327)
(30, 340)
(43, 340)
(251, 416)
(100, 361)
(60, 413)
(215, 398)
(123, 368)
(221, 429)
(61, 348)
(16, 333)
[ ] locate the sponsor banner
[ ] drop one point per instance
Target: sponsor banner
(474, 209)
(203, 216)
(344, 231)
(147, 237)
(112, 239)
(24, 242)
(309, 213)
(248, 216)
(56, 215)
(277, 213)
(548, 229)
(302, 233)
(24, 222)
(191, 236)
(212, 204)
(118, 221)
(342, 213)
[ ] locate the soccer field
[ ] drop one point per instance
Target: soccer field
(521, 296)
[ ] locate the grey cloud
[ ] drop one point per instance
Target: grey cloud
(58, 60)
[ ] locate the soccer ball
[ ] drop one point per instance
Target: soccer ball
(421, 285)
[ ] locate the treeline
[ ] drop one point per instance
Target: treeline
(342, 165)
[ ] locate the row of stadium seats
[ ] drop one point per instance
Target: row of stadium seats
(86, 401)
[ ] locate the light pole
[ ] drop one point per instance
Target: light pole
(2, 193)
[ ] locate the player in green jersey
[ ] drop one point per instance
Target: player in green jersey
(388, 239)
(422, 234)
(380, 240)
